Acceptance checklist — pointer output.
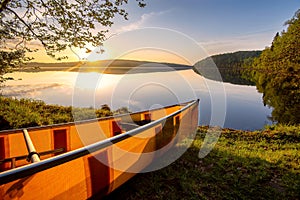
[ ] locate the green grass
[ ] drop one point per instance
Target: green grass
(24, 113)
(243, 165)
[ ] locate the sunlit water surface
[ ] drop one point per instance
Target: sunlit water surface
(223, 104)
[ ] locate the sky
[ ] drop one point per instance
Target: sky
(171, 30)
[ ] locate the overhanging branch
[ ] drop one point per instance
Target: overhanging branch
(29, 28)
(3, 5)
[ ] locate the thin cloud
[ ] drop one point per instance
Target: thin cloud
(255, 41)
(142, 21)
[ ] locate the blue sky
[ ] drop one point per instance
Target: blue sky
(215, 18)
(219, 26)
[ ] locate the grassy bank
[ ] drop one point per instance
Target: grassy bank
(15, 113)
(243, 165)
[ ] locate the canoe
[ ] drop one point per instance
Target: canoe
(90, 158)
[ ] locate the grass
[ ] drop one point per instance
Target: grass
(243, 165)
(15, 113)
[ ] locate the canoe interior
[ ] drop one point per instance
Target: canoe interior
(99, 172)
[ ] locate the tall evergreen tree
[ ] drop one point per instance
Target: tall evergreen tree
(277, 73)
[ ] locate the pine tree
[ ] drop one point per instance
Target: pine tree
(277, 73)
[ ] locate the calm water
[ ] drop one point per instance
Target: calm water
(226, 105)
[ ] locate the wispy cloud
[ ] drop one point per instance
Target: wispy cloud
(255, 41)
(142, 21)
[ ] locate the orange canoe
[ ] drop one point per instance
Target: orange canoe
(89, 158)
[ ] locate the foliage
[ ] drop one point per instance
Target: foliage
(122, 110)
(27, 26)
(230, 65)
(243, 165)
(23, 113)
(9, 61)
(277, 73)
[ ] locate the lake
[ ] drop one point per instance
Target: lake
(221, 104)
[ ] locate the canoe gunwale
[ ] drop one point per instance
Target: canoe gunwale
(18, 130)
(30, 169)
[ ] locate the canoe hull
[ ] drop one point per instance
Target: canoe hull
(102, 170)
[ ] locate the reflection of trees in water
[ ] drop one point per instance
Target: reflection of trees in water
(229, 65)
(277, 74)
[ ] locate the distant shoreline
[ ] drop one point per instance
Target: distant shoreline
(106, 67)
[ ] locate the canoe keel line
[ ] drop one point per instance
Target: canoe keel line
(90, 158)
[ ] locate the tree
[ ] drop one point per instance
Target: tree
(277, 73)
(231, 66)
(10, 60)
(56, 25)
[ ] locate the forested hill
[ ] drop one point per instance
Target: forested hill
(230, 66)
(117, 66)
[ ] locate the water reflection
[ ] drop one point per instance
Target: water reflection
(244, 107)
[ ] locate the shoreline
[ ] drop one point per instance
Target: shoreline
(105, 66)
